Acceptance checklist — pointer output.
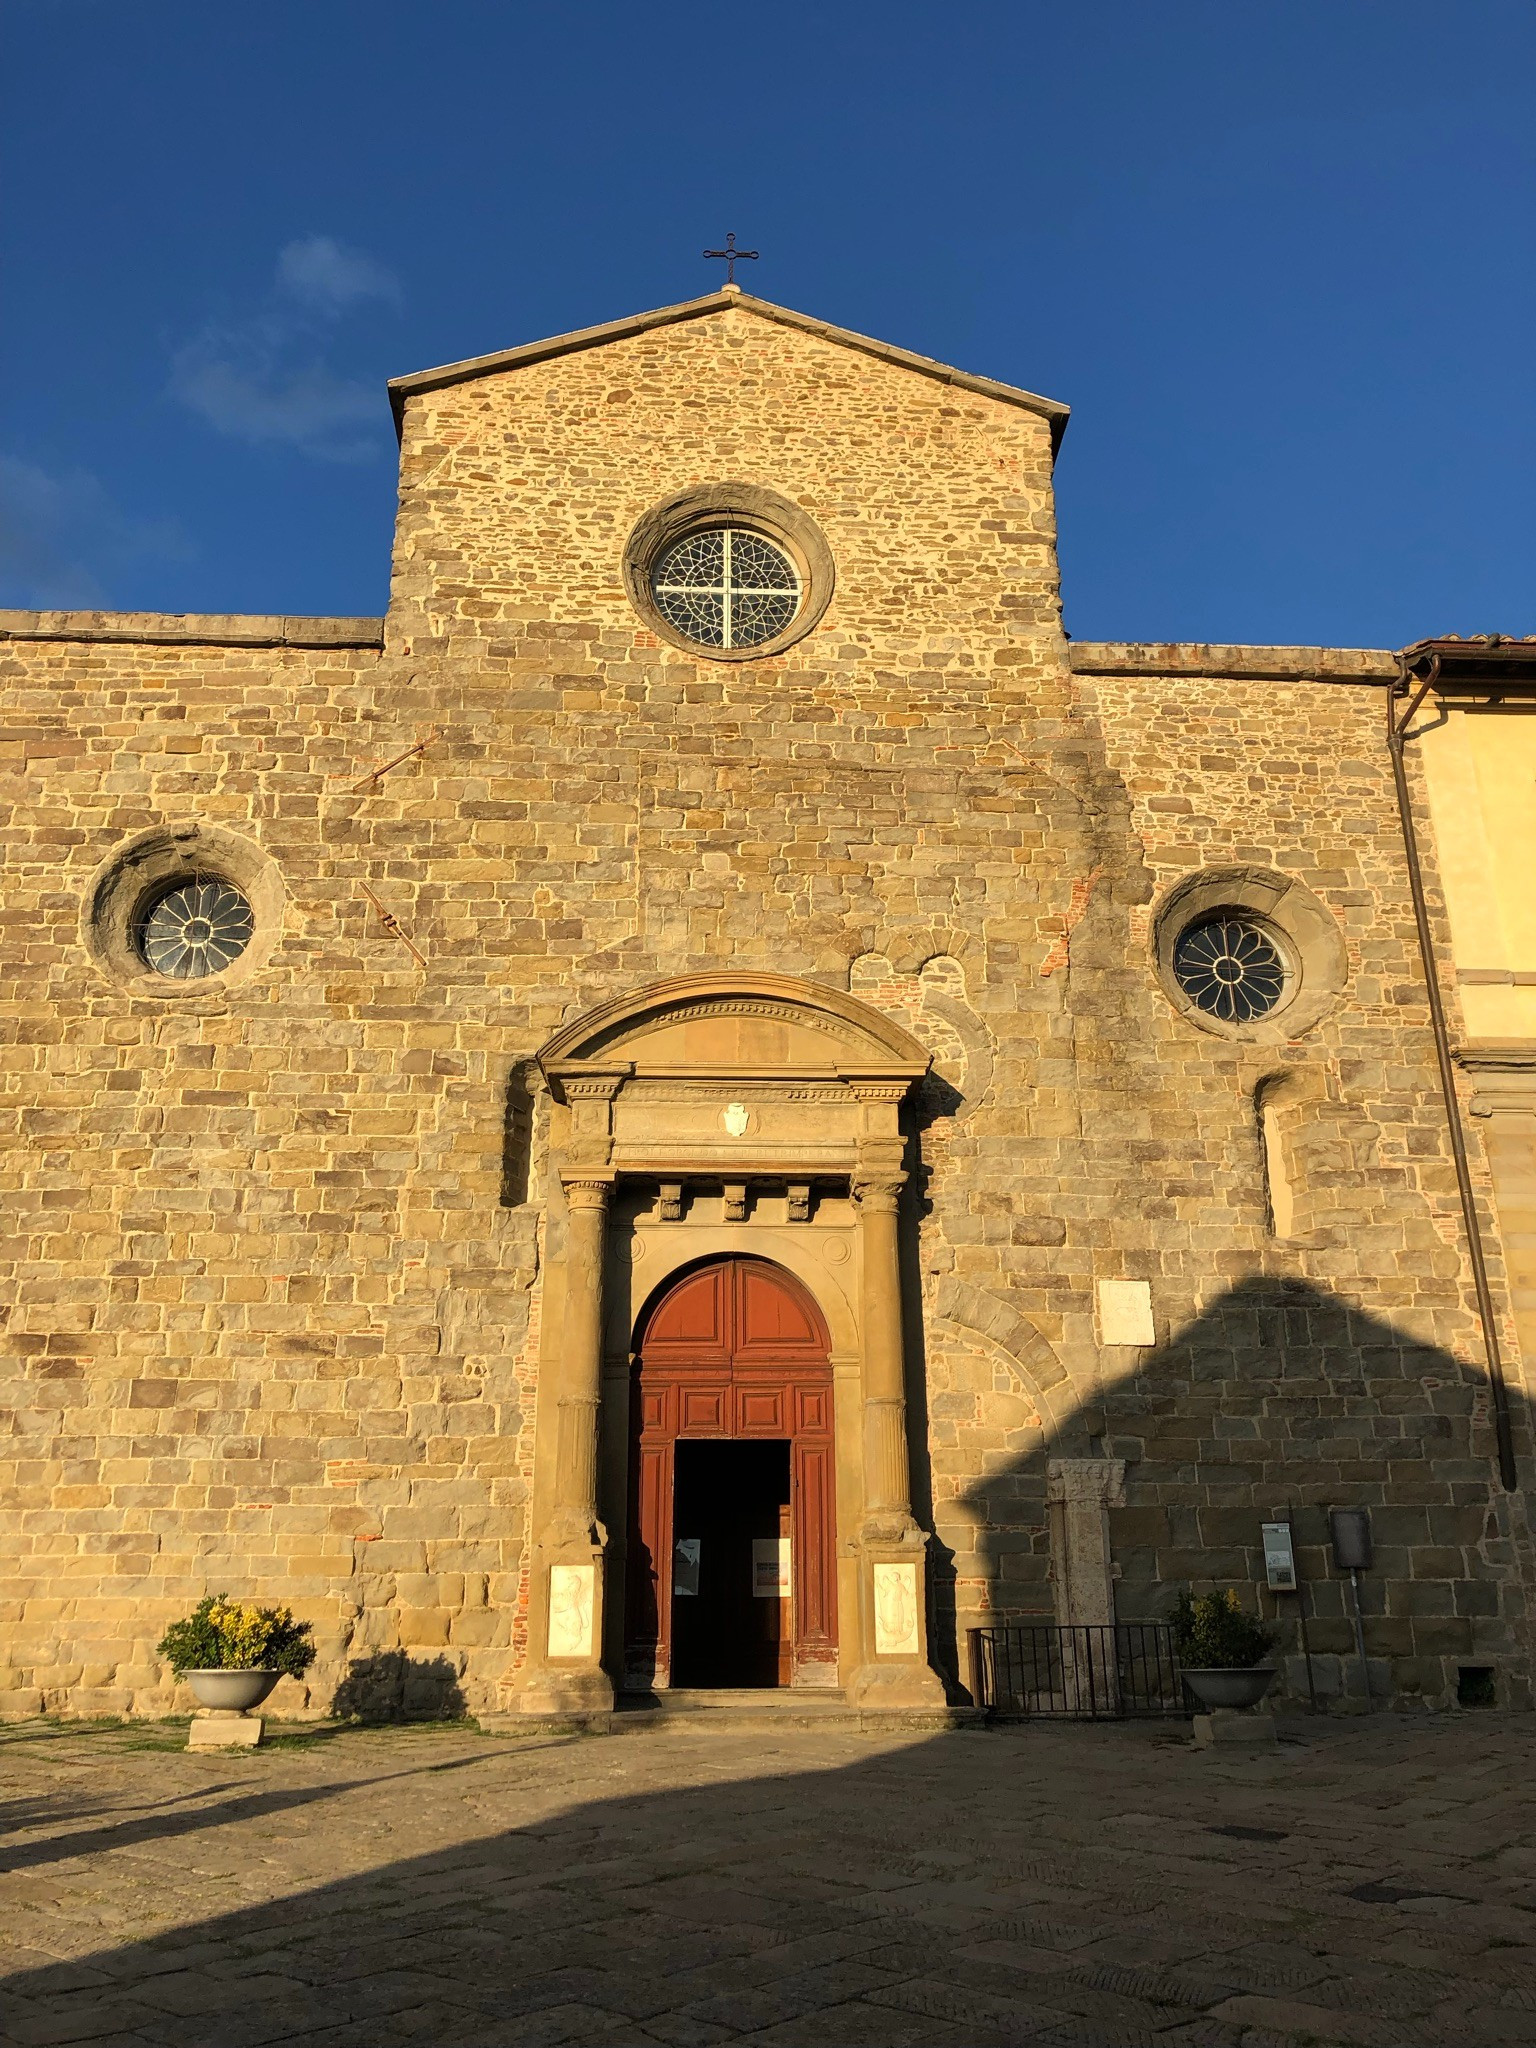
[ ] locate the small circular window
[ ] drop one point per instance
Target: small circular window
(195, 929)
(726, 586)
(729, 571)
(1230, 967)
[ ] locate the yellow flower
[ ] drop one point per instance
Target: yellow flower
(247, 1631)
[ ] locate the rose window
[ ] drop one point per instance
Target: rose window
(725, 586)
(196, 929)
(1230, 967)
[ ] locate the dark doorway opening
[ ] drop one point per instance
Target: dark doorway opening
(730, 1353)
(731, 1621)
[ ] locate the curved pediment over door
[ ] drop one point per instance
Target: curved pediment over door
(731, 1073)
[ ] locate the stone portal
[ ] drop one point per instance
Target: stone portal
(724, 1240)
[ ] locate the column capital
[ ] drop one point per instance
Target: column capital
(1097, 1482)
(879, 1197)
(586, 1191)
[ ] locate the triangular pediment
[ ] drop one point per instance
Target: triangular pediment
(730, 299)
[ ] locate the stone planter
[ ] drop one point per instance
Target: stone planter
(231, 1692)
(1216, 1687)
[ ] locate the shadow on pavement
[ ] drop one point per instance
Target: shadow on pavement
(162, 1825)
(1054, 1886)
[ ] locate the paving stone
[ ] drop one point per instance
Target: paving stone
(861, 2025)
(969, 2008)
(509, 1917)
(1289, 2017)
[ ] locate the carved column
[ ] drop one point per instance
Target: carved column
(581, 1363)
(1079, 1493)
(894, 1671)
(565, 1672)
(887, 1480)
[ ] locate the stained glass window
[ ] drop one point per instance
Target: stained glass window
(1230, 967)
(726, 586)
(196, 928)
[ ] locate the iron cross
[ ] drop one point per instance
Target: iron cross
(732, 254)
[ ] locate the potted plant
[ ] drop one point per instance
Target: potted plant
(232, 1654)
(1221, 1649)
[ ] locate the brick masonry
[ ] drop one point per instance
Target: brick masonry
(269, 1294)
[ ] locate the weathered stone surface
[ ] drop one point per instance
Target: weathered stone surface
(273, 1267)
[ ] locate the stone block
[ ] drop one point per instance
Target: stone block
(423, 1626)
(212, 1729)
(1227, 1729)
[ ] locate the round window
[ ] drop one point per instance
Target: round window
(726, 587)
(1230, 967)
(195, 928)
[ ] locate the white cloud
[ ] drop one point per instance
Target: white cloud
(265, 380)
(319, 272)
(242, 387)
(62, 536)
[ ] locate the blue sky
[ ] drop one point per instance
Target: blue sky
(1277, 256)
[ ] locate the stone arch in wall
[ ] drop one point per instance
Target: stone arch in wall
(982, 1315)
(1002, 1409)
(928, 991)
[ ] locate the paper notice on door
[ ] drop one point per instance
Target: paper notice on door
(770, 1567)
(685, 1567)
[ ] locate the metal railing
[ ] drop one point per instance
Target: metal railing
(1077, 1671)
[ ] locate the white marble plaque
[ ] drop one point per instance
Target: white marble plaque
(896, 1633)
(1125, 1312)
(570, 1609)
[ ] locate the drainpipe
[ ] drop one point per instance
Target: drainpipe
(1397, 730)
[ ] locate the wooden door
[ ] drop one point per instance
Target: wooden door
(734, 1349)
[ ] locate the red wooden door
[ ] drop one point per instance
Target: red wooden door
(734, 1349)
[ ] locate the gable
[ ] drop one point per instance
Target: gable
(730, 298)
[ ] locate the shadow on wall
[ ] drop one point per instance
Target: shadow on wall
(1280, 1395)
(395, 1687)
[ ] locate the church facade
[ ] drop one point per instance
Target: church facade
(712, 1103)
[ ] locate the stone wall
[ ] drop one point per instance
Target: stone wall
(273, 1291)
(1342, 1364)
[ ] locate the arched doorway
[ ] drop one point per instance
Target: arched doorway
(731, 1434)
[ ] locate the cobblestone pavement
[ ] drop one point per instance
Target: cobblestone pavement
(1371, 1883)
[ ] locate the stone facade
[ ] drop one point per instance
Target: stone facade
(287, 1258)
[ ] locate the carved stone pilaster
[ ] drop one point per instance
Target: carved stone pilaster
(887, 1481)
(1079, 1493)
